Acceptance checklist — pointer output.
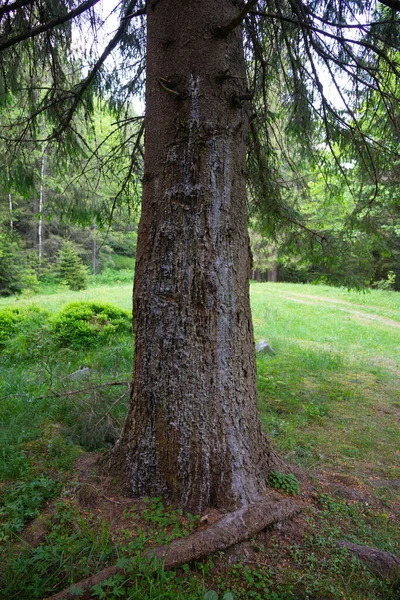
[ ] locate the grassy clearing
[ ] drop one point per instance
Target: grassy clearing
(330, 396)
(329, 400)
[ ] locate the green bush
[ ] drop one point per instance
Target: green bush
(86, 324)
(21, 323)
(71, 268)
(9, 320)
(23, 502)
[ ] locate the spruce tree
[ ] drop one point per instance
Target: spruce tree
(71, 268)
(219, 77)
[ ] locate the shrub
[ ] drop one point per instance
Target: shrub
(9, 320)
(23, 502)
(72, 270)
(24, 323)
(86, 324)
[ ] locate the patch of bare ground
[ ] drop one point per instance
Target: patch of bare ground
(269, 545)
(346, 487)
(388, 364)
(362, 489)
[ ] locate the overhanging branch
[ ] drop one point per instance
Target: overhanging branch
(35, 31)
(95, 70)
(225, 29)
(14, 6)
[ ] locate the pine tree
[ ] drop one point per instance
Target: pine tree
(193, 432)
(71, 268)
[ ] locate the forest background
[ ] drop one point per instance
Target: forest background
(329, 213)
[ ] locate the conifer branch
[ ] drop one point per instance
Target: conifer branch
(83, 87)
(393, 4)
(14, 6)
(225, 29)
(8, 42)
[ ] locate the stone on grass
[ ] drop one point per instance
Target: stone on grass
(264, 347)
(82, 372)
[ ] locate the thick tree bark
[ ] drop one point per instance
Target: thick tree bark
(382, 564)
(193, 432)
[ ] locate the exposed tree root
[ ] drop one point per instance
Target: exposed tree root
(86, 585)
(382, 564)
(233, 528)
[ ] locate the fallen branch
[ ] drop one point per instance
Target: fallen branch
(84, 390)
(110, 409)
(233, 528)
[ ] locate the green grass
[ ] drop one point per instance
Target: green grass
(330, 395)
(329, 401)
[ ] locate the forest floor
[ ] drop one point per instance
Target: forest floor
(329, 401)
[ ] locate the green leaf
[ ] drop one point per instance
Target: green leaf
(211, 595)
(228, 596)
(124, 563)
(76, 590)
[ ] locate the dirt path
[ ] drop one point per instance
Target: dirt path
(309, 299)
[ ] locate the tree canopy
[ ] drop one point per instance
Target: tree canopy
(322, 79)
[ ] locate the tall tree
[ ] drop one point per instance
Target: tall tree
(192, 432)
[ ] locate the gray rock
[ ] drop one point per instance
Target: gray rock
(264, 347)
(82, 372)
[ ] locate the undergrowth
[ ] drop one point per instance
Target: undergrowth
(328, 399)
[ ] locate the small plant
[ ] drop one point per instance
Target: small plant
(285, 482)
(15, 321)
(386, 284)
(16, 272)
(211, 595)
(9, 320)
(23, 503)
(170, 524)
(71, 268)
(62, 453)
(253, 583)
(110, 588)
(315, 411)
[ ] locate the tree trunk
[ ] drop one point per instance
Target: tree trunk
(273, 268)
(94, 249)
(41, 206)
(10, 203)
(192, 432)
(10, 209)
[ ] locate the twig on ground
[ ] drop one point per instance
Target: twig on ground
(110, 409)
